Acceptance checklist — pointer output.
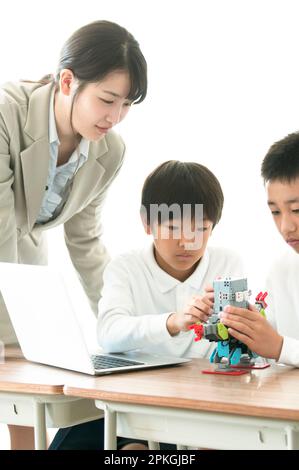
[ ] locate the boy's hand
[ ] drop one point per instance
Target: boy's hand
(198, 309)
(252, 329)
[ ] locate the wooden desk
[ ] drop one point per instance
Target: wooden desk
(32, 395)
(259, 410)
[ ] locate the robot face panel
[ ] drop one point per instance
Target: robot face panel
(230, 292)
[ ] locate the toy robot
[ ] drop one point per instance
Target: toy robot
(229, 353)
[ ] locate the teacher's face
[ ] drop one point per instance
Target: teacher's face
(102, 105)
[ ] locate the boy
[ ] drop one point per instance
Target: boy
(151, 297)
(277, 337)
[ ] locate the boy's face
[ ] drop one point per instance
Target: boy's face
(283, 201)
(178, 254)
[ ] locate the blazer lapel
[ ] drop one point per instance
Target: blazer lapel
(85, 182)
(35, 158)
(35, 165)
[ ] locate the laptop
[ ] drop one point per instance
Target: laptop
(50, 323)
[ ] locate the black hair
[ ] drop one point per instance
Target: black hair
(175, 182)
(281, 162)
(102, 47)
(97, 49)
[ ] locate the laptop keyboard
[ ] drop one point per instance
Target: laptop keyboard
(110, 362)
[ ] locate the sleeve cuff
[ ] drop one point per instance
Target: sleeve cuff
(157, 330)
(290, 352)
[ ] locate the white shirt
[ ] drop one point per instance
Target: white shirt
(283, 304)
(58, 177)
(138, 297)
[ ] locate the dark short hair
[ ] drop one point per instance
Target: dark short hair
(175, 182)
(102, 47)
(281, 162)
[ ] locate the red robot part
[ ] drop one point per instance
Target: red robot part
(198, 330)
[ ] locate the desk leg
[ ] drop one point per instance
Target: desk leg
(40, 432)
(153, 445)
(110, 429)
(291, 440)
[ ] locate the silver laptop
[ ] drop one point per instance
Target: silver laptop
(50, 323)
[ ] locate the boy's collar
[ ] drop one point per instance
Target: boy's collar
(165, 282)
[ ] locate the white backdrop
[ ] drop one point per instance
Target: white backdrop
(223, 86)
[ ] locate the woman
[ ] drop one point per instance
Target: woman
(58, 154)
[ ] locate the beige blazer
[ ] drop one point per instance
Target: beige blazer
(24, 166)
